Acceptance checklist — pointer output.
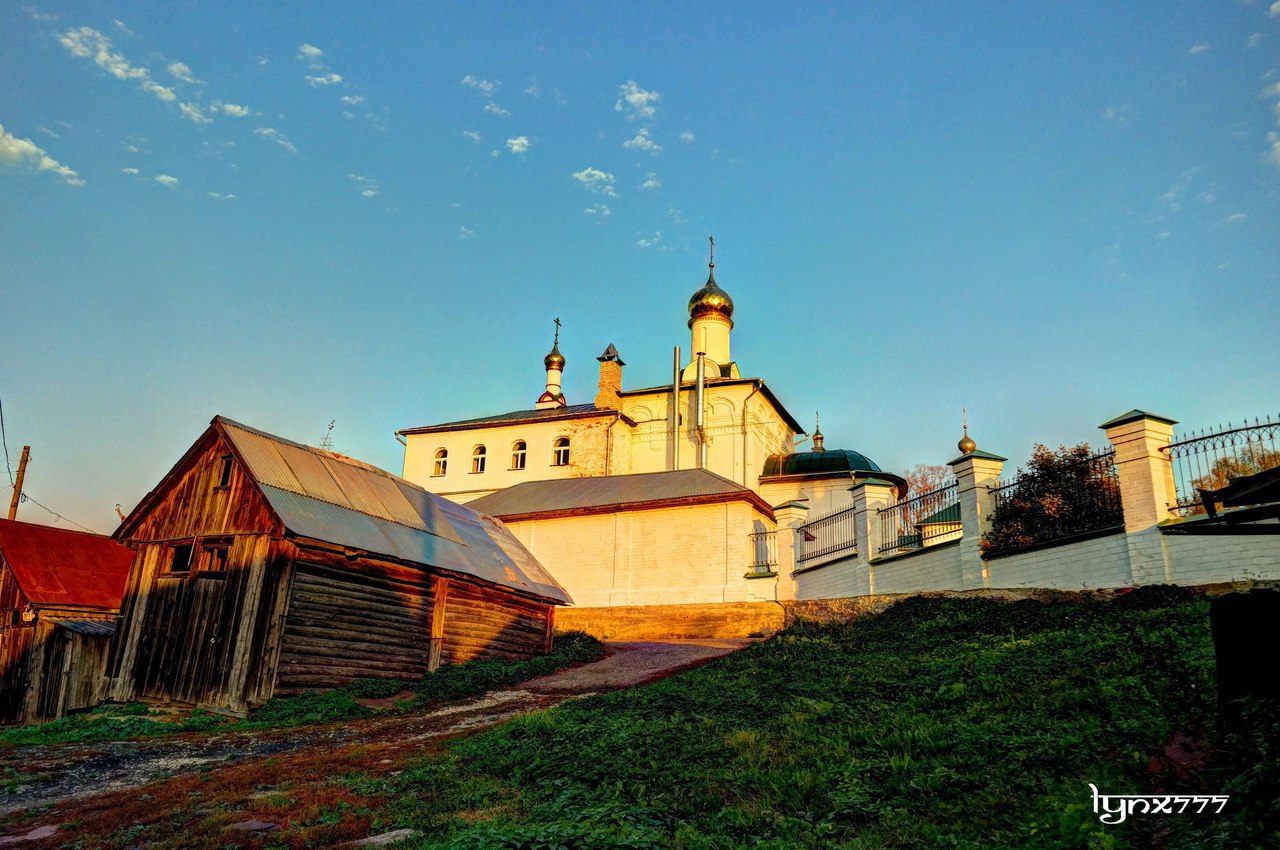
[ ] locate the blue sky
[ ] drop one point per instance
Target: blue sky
(289, 213)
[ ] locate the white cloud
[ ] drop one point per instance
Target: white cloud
(129, 171)
(638, 102)
(465, 232)
(485, 87)
(352, 99)
(1233, 219)
(193, 112)
(167, 180)
(595, 180)
(1274, 153)
(309, 51)
(181, 71)
(15, 151)
(687, 136)
(1254, 40)
(88, 43)
(533, 90)
(519, 144)
(1164, 234)
(163, 92)
(1275, 9)
(120, 25)
(496, 109)
(274, 135)
(368, 186)
(472, 135)
(651, 182)
(221, 196)
(235, 110)
(641, 141)
(601, 210)
(329, 79)
(651, 242)
(676, 215)
(1196, 50)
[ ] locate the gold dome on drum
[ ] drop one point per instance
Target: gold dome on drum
(710, 299)
(554, 359)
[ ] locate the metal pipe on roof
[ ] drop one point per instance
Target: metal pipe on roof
(675, 412)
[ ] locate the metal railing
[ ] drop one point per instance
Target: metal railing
(1208, 460)
(1068, 497)
(829, 534)
(924, 520)
(764, 551)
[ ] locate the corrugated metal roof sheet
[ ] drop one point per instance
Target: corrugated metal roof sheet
(95, 628)
(352, 504)
(570, 493)
(55, 566)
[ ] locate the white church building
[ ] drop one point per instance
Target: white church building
(648, 496)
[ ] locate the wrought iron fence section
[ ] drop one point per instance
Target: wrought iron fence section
(1078, 498)
(919, 521)
(764, 551)
(1209, 459)
(832, 533)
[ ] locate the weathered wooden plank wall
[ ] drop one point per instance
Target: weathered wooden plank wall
(482, 621)
(16, 643)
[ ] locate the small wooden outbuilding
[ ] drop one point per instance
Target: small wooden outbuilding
(264, 567)
(59, 594)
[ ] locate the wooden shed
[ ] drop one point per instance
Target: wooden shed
(264, 567)
(59, 594)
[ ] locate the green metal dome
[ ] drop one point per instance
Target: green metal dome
(831, 460)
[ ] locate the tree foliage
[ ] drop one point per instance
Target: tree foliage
(1058, 494)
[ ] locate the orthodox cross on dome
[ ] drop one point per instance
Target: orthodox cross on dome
(712, 240)
(556, 341)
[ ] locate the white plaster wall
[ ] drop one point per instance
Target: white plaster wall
(689, 554)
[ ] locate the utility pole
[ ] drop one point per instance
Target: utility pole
(17, 487)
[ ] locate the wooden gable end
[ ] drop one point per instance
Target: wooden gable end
(209, 492)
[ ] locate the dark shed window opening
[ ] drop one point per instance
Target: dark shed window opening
(224, 477)
(182, 556)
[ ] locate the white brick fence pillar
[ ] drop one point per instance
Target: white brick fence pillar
(975, 472)
(869, 495)
(1147, 491)
(789, 517)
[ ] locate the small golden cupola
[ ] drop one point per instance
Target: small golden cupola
(966, 444)
(710, 321)
(552, 397)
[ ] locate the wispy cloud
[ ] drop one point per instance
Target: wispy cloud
(465, 232)
(1234, 219)
(595, 180)
(274, 135)
(533, 90)
(687, 136)
(15, 152)
(122, 27)
(129, 171)
(485, 87)
(352, 99)
(88, 43)
(1254, 40)
(309, 52)
(318, 80)
(519, 144)
(182, 71)
(677, 216)
(638, 102)
(167, 180)
(472, 135)
(1275, 9)
(1117, 114)
(651, 242)
(651, 182)
(642, 141)
(367, 185)
(220, 196)
(193, 112)
(1162, 235)
(235, 110)
(600, 210)
(1197, 49)
(496, 109)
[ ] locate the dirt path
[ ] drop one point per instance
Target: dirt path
(69, 772)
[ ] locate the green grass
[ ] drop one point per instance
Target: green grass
(134, 721)
(942, 723)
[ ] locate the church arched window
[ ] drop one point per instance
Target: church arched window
(442, 461)
(477, 459)
(560, 452)
(518, 453)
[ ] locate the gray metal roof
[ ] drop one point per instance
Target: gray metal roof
(345, 502)
(95, 628)
(566, 494)
(515, 417)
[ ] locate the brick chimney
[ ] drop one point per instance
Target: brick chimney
(610, 380)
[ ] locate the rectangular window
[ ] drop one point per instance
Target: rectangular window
(181, 557)
(224, 475)
(215, 559)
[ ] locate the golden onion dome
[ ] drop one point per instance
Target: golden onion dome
(710, 299)
(554, 359)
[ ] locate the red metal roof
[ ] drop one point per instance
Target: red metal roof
(58, 567)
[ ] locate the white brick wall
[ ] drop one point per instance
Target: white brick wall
(931, 569)
(1101, 562)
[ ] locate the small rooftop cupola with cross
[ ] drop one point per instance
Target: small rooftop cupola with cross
(710, 321)
(552, 397)
(818, 439)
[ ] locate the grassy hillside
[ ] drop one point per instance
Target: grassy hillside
(940, 723)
